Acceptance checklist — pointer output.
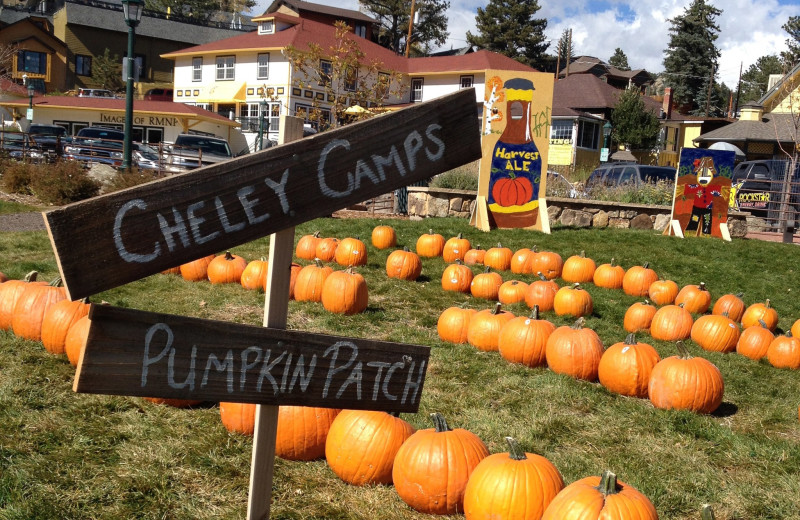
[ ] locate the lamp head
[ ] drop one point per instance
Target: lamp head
(133, 11)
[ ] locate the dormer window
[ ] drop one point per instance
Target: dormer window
(266, 27)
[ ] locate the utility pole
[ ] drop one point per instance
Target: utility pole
(738, 91)
(569, 52)
(410, 27)
(708, 96)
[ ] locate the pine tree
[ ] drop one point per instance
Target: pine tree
(509, 28)
(565, 49)
(691, 57)
(428, 31)
(755, 78)
(619, 60)
(633, 123)
(107, 71)
(792, 56)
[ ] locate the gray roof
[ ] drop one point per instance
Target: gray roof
(779, 85)
(770, 127)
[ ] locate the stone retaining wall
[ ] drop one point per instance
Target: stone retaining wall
(438, 202)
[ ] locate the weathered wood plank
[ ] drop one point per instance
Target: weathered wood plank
(148, 354)
(107, 241)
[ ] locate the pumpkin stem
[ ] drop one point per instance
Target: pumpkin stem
(430, 231)
(579, 323)
(318, 262)
(499, 245)
(515, 452)
(611, 263)
(406, 250)
(460, 236)
(739, 295)
(497, 307)
(583, 253)
(707, 513)
(316, 234)
(576, 286)
(535, 249)
(535, 312)
(646, 265)
(228, 256)
(702, 286)
(56, 282)
(439, 422)
(683, 352)
(766, 304)
(541, 276)
(488, 269)
(32, 276)
(631, 339)
(763, 323)
(646, 302)
(608, 483)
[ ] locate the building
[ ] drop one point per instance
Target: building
(38, 56)
(617, 78)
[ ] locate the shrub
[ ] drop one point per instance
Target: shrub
(659, 194)
(462, 178)
(62, 182)
(124, 180)
(16, 176)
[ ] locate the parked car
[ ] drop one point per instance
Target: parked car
(50, 138)
(96, 145)
(18, 145)
(95, 93)
(158, 94)
(192, 151)
(757, 187)
(612, 175)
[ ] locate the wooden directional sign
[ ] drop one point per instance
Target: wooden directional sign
(107, 241)
(148, 354)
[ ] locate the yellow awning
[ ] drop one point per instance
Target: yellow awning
(222, 92)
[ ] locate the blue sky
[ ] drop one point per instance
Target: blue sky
(749, 29)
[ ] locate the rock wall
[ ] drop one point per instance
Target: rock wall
(437, 202)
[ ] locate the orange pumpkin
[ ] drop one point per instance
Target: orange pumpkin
(486, 285)
(196, 270)
(625, 367)
(384, 237)
(483, 331)
(684, 382)
(548, 263)
(637, 280)
(310, 279)
(475, 256)
(345, 292)
(573, 301)
(351, 251)
(326, 249)
(294, 270)
(512, 291)
(238, 417)
(10, 292)
(796, 329)
(541, 293)
(307, 246)
(453, 324)
(362, 445)
(639, 316)
(604, 497)
(498, 258)
(609, 276)
(575, 351)
(57, 321)
(716, 333)
(520, 261)
(457, 277)
(227, 268)
(3, 277)
(254, 276)
(663, 292)
(455, 248)
(784, 352)
(732, 304)
(511, 486)
(760, 311)
(430, 245)
(31, 307)
(76, 339)
(172, 270)
(695, 298)
(671, 323)
(403, 265)
(302, 431)
(578, 269)
(754, 341)
(432, 467)
(524, 339)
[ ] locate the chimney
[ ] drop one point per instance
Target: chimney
(666, 106)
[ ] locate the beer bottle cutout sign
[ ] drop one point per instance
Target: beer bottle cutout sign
(516, 165)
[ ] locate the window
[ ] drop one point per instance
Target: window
(266, 27)
(318, 118)
(325, 71)
(561, 131)
(350, 79)
(588, 132)
(263, 66)
(416, 90)
(83, 65)
(466, 81)
(31, 61)
(360, 30)
(197, 69)
(250, 116)
(225, 66)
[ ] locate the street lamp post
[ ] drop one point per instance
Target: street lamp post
(606, 136)
(133, 14)
(31, 93)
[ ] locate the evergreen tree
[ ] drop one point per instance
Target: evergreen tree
(619, 60)
(792, 56)
(565, 49)
(107, 71)
(199, 10)
(691, 57)
(430, 29)
(509, 28)
(634, 125)
(755, 78)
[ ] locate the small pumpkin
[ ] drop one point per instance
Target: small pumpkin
(498, 257)
(307, 246)
(432, 467)
(294, 270)
(609, 276)
(625, 367)
(671, 323)
(732, 304)
(172, 270)
(484, 328)
(10, 292)
(548, 263)
(524, 339)
(716, 333)
(639, 316)
(351, 251)
(684, 382)
(784, 352)
(310, 279)
(326, 249)
(520, 261)
(486, 285)
(574, 350)
(196, 270)
(457, 277)
(403, 265)
(578, 269)
(227, 268)
(76, 338)
(754, 341)
(362, 445)
(511, 486)
(57, 321)
(455, 248)
(637, 280)
(512, 291)
(238, 417)
(573, 301)
(345, 292)
(663, 292)
(475, 256)
(796, 329)
(302, 431)
(695, 298)
(541, 293)
(254, 276)
(603, 497)
(32, 306)
(760, 311)
(430, 245)
(453, 324)
(384, 237)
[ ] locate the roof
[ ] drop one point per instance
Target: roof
(771, 126)
(473, 61)
(583, 91)
(585, 64)
(299, 6)
(772, 93)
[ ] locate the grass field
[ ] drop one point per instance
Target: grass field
(74, 456)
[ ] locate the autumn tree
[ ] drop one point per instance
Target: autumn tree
(508, 27)
(633, 123)
(345, 75)
(429, 31)
(619, 60)
(692, 58)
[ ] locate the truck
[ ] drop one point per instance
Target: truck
(759, 187)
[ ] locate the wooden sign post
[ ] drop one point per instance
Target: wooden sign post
(143, 230)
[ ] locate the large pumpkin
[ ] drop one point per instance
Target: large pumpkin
(732, 304)
(684, 382)
(609, 276)
(10, 292)
(403, 265)
(326, 249)
(524, 339)
(310, 279)
(784, 352)
(573, 301)
(351, 251)
(715, 333)
(345, 292)
(541, 293)
(637, 280)
(638, 317)
(76, 339)
(453, 324)
(238, 417)
(302, 431)
(578, 269)
(695, 298)
(511, 486)
(384, 237)
(196, 270)
(254, 276)
(671, 323)
(227, 268)
(486, 285)
(31, 307)
(457, 277)
(512, 291)
(625, 367)
(362, 445)
(754, 341)
(307, 246)
(548, 263)
(574, 350)
(432, 467)
(430, 245)
(57, 321)
(484, 328)
(600, 498)
(760, 311)
(498, 257)
(475, 256)
(520, 261)
(663, 292)
(455, 248)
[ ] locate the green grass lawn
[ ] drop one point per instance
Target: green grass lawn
(75, 456)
